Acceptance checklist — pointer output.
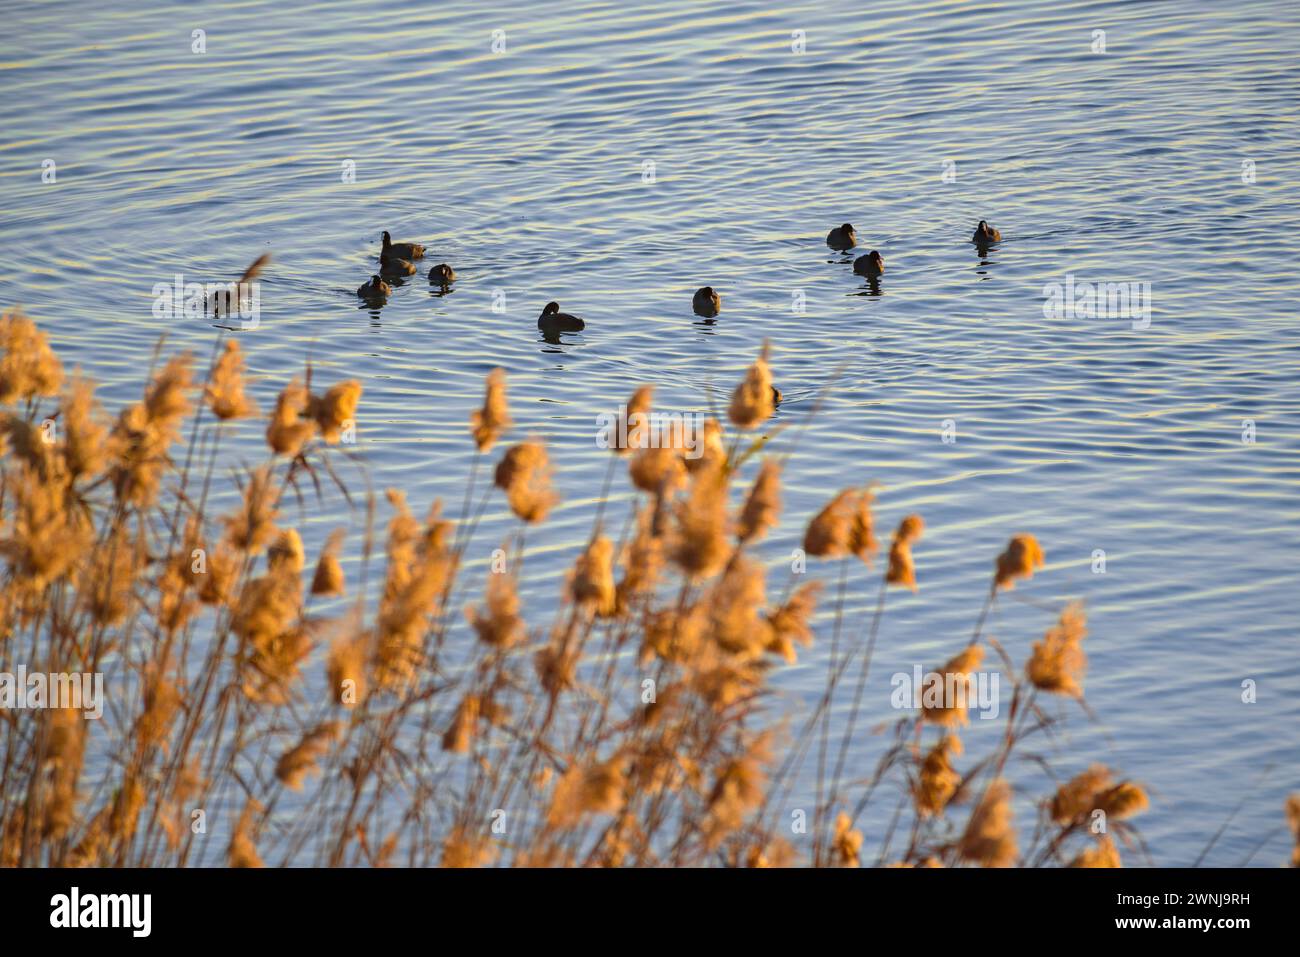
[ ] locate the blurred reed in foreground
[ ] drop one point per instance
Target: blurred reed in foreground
(633, 726)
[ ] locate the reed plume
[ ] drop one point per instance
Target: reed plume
(751, 402)
(301, 760)
(937, 782)
(291, 426)
(499, 623)
(946, 694)
(142, 439)
(488, 422)
(1293, 822)
(335, 411)
(1022, 556)
(591, 583)
(594, 789)
(791, 623)
(28, 366)
(85, 433)
(763, 505)
(829, 533)
(328, 578)
(1102, 854)
(902, 570)
(846, 842)
(1078, 797)
(1058, 663)
(633, 426)
(990, 839)
(700, 545)
(225, 389)
(243, 848)
(524, 474)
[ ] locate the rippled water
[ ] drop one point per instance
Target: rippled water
(526, 171)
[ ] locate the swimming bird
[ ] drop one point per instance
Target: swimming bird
(442, 274)
(229, 300)
(401, 250)
(552, 320)
(375, 290)
(842, 238)
(392, 266)
(985, 234)
(872, 265)
(706, 302)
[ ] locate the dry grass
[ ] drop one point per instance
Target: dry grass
(457, 735)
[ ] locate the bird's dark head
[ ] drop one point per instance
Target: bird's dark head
(551, 309)
(847, 228)
(707, 292)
